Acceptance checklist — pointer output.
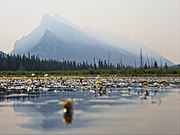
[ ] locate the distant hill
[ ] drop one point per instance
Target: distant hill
(59, 39)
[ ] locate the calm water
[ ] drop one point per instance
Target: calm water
(114, 113)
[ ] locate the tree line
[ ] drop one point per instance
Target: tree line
(33, 63)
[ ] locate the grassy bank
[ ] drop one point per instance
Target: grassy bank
(109, 72)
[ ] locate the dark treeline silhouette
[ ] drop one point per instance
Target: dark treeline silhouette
(34, 63)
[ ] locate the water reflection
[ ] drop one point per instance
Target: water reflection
(68, 111)
(56, 113)
(76, 109)
(51, 113)
(155, 96)
(44, 116)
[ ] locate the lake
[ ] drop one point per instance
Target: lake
(113, 113)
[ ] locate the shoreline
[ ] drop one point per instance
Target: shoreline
(154, 72)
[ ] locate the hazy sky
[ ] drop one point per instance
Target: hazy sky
(152, 22)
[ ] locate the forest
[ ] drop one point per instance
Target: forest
(17, 64)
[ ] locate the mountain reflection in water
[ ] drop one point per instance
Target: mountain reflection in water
(74, 109)
(48, 113)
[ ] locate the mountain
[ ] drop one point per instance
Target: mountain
(56, 48)
(68, 33)
(123, 41)
(57, 38)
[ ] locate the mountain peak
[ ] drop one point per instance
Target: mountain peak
(47, 19)
(50, 20)
(46, 16)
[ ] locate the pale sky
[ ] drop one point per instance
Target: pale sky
(152, 22)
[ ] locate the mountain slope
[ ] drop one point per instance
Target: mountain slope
(122, 41)
(50, 46)
(2, 53)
